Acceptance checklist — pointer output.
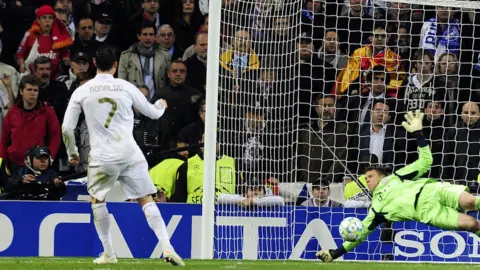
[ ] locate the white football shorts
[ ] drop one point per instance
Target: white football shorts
(133, 177)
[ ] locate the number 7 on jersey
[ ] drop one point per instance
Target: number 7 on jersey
(112, 111)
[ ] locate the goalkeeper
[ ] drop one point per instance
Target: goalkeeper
(404, 196)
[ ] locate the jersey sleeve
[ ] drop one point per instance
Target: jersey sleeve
(74, 109)
(24, 47)
(141, 103)
(422, 165)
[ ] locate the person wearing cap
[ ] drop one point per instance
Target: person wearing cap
(320, 195)
(103, 29)
(85, 39)
(81, 63)
(255, 193)
(37, 180)
(47, 37)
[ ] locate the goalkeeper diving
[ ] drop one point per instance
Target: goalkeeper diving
(404, 196)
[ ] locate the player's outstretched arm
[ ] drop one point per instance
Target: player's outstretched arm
(415, 170)
(370, 223)
(146, 108)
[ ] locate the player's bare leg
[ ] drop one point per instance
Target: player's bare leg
(102, 225)
(156, 223)
(468, 223)
(469, 202)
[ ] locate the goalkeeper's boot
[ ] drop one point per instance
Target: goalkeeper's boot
(173, 258)
(104, 259)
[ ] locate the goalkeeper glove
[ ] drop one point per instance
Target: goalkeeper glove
(325, 255)
(414, 121)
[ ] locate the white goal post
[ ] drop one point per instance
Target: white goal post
(303, 95)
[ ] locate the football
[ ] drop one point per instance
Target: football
(351, 229)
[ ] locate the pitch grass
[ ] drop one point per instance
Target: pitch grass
(128, 264)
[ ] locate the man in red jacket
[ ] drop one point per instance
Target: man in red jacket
(27, 124)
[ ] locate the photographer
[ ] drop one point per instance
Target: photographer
(36, 181)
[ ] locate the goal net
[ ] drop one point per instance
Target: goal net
(311, 92)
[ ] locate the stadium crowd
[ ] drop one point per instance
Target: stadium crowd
(310, 92)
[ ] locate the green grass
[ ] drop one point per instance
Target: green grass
(86, 263)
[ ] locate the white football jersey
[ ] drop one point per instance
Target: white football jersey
(107, 104)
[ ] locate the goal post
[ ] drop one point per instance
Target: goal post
(303, 95)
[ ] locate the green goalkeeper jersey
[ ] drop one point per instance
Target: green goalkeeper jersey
(395, 195)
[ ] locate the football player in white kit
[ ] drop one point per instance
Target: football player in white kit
(115, 156)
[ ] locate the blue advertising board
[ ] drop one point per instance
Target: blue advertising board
(67, 229)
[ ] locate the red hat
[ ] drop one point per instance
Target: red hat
(44, 10)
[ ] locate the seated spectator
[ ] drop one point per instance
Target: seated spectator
(189, 181)
(166, 39)
(85, 41)
(164, 174)
(144, 63)
(181, 99)
(198, 63)
(53, 41)
(441, 33)
(81, 63)
(462, 146)
(320, 195)
(380, 137)
(255, 194)
(192, 133)
(314, 159)
(37, 180)
(27, 124)
(365, 58)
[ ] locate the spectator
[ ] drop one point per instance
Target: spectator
(198, 63)
(81, 63)
(145, 131)
(190, 51)
(166, 39)
(363, 59)
(354, 26)
(330, 51)
(314, 158)
(421, 86)
(164, 174)
(105, 8)
(462, 147)
(8, 70)
(85, 41)
(27, 124)
(37, 180)
(186, 25)
(66, 7)
(53, 93)
(192, 133)
(148, 12)
(63, 16)
(359, 104)
(434, 132)
(103, 30)
(145, 63)
(43, 31)
(380, 138)
(320, 195)
(441, 33)
(7, 100)
(181, 99)
(402, 45)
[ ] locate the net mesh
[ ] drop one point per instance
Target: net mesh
(313, 92)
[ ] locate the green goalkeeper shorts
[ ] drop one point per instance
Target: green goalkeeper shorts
(438, 205)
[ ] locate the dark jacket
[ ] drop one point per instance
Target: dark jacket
(315, 160)
(42, 188)
(181, 111)
(192, 134)
(56, 95)
(24, 129)
(196, 73)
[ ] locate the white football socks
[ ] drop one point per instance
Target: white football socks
(155, 221)
(102, 224)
